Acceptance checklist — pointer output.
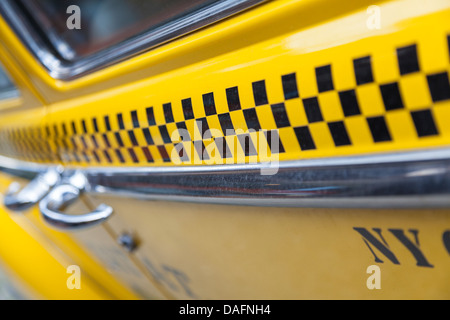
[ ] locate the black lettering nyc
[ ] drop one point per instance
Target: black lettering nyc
(411, 242)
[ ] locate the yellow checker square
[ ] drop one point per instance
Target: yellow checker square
(384, 62)
(401, 126)
(156, 135)
(306, 80)
(321, 136)
(289, 139)
(140, 138)
(246, 98)
(215, 129)
(191, 127)
(171, 151)
(126, 118)
(177, 111)
(139, 154)
(330, 106)
(238, 120)
(110, 137)
(415, 91)
(296, 112)
(172, 129)
(442, 118)
(358, 131)
(220, 99)
(343, 73)
(265, 117)
(158, 113)
(141, 113)
(274, 89)
(370, 100)
(197, 106)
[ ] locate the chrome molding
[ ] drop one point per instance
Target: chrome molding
(419, 179)
(60, 68)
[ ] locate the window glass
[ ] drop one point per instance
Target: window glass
(103, 23)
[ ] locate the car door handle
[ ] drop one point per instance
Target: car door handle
(60, 197)
(21, 200)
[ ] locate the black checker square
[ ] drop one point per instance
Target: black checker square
(118, 139)
(165, 134)
(163, 152)
(148, 136)
(424, 123)
(168, 114)
(133, 155)
(107, 123)
(227, 124)
(260, 93)
(439, 85)
(147, 154)
(349, 103)
(290, 87)
(324, 78)
(132, 137)
(305, 138)
(119, 156)
(134, 119)
(234, 103)
(339, 133)
(187, 109)
(119, 122)
(251, 118)
(312, 110)
(392, 97)
(363, 70)
(379, 129)
(150, 117)
(408, 61)
(280, 115)
(209, 104)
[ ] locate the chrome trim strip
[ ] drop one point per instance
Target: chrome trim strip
(419, 179)
(62, 69)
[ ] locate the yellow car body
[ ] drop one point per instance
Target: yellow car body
(382, 91)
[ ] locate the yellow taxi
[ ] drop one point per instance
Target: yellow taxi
(225, 149)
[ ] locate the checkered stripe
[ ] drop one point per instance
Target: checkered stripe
(110, 138)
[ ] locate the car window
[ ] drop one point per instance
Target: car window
(105, 23)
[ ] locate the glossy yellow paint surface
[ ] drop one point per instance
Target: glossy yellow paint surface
(140, 123)
(40, 257)
(200, 251)
(192, 251)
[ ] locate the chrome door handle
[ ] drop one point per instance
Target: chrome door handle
(21, 200)
(61, 196)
